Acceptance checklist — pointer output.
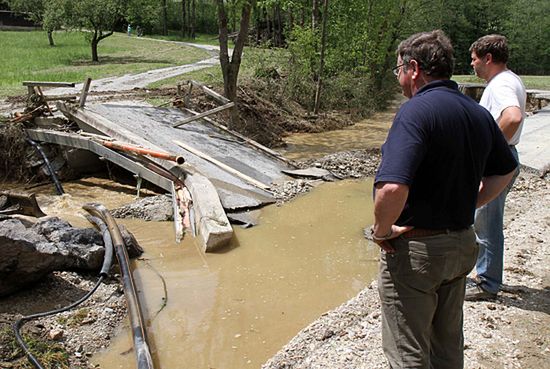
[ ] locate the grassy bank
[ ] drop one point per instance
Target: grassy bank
(530, 82)
(27, 56)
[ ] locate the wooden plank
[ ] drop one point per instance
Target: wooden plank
(205, 114)
(252, 143)
(48, 84)
(84, 93)
(45, 102)
(223, 166)
(59, 97)
(178, 221)
(211, 93)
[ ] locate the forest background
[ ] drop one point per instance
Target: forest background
(345, 46)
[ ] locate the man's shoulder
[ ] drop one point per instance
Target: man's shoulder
(505, 78)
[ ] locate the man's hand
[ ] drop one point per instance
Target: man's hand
(382, 241)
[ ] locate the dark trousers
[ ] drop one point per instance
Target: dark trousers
(421, 289)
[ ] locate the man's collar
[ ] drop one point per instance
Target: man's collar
(438, 83)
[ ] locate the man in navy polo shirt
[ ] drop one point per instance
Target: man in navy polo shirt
(443, 157)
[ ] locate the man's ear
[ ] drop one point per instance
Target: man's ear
(415, 67)
(488, 58)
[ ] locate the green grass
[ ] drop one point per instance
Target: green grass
(530, 82)
(49, 353)
(201, 38)
(27, 56)
(255, 60)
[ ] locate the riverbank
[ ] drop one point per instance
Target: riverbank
(511, 332)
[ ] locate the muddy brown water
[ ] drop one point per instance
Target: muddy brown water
(236, 308)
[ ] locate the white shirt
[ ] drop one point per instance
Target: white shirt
(503, 91)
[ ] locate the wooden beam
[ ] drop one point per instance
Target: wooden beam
(245, 139)
(205, 114)
(60, 97)
(48, 84)
(45, 103)
(223, 166)
(84, 93)
(210, 92)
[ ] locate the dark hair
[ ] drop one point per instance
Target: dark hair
(496, 45)
(432, 51)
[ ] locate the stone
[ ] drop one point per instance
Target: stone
(55, 334)
(27, 254)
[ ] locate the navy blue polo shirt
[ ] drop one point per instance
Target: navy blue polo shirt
(441, 144)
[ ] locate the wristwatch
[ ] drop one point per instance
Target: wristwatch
(383, 238)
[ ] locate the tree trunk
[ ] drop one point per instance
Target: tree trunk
(322, 61)
(258, 23)
(164, 18)
(95, 41)
(279, 26)
(50, 38)
(230, 67)
(188, 13)
(193, 19)
(183, 19)
(315, 14)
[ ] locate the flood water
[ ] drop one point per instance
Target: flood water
(236, 308)
(366, 134)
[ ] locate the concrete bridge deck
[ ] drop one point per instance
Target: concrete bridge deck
(534, 146)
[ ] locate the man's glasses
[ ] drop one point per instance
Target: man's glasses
(395, 70)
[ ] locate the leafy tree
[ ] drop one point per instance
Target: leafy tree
(145, 13)
(98, 18)
(527, 29)
(44, 12)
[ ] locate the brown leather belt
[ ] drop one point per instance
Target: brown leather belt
(420, 232)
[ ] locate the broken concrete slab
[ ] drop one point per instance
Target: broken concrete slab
(534, 145)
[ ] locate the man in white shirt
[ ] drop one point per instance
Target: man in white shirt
(505, 98)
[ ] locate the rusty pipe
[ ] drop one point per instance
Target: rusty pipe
(140, 150)
(143, 355)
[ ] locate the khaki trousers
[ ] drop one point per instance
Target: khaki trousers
(421, 289)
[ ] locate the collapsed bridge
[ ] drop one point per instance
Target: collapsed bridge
(221, 175)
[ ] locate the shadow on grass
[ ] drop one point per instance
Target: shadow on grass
(120, 60)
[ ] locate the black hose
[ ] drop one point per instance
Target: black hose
(104, 273)
(107, 240)
(18, 324)
(55, 181)
(141, 347)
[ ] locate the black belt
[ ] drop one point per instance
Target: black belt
(422, 232)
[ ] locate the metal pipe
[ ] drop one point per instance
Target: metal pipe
(143, 355)
(140, 150)
(49, 165)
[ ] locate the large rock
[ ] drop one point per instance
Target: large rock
(28, 253)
